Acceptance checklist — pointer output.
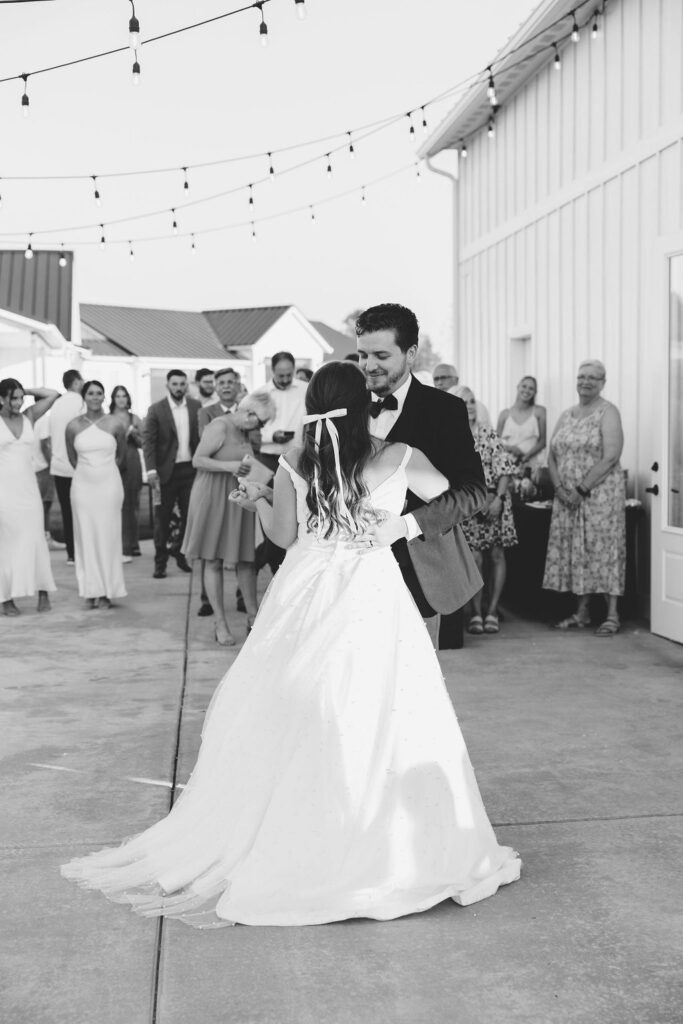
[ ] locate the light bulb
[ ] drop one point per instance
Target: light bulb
(313, 220)
(25, 105)
(411, 130)
(271, 169)
(362, 198)
(253, 231)
(418, 175)
(352, 151)
(329, 166)
(557, 62)
(134, 29)
(175, 223)
(263, 32)
(136, 73)
(131, 254)
(300, 9)
(491, 89)
(96, 191)
(424, 120)
(463, 151)
(28, 252)
(491, 128)
(251, 195)
(186, 183)
(575, 31)
(595, 31)
(62, 258)
(193, 247)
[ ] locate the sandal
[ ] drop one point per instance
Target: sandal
(610, 627)
(572, 622)
(491, 624)
(475, 625)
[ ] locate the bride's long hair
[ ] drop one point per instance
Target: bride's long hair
(337, 502)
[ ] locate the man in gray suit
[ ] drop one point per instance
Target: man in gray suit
(227, 385)
(170, 437)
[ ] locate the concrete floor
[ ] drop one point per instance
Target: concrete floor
(577, 746)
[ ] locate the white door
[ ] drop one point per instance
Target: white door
(667, 473)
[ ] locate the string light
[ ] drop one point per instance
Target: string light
(263, 28)
(131, 254)
(491, 88)
(352, 151)
(463, 151)
(329, 165)
(491, 130)
(96, 192)
(134, 29)
(102, 238)
(271, 169)
(251, 195)
(25, 100)
(595, 30)
(417, 171)
(253, 231)
(300, 9)
(186, 183)
(424, 120)
(557, 62)
(62, 258)
(409, 115)
(175, 222)
(193, 247)
(136, 70)
(313, 220)
(362, 197)
(28, 252)
(575, 28)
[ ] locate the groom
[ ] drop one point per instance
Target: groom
(429, 545)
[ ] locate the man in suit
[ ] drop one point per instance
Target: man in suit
(170, 438)
(429, 545)
(227, 385)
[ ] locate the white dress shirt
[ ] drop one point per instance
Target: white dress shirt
(380, 427)
(290, 409)
(65, 409)
(181, 418)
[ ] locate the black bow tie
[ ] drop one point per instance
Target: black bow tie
(390, 402)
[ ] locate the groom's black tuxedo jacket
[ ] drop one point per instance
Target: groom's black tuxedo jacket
(437, 424)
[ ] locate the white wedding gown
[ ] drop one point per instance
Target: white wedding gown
(333, 780)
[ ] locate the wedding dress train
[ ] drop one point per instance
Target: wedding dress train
(333, 780)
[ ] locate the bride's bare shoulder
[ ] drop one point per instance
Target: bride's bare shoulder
(387, 455)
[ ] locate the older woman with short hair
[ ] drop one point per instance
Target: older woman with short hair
(587, 544)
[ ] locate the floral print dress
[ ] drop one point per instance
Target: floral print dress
(587, 545)
(481, 533)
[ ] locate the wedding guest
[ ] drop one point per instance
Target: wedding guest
(447, 378)
(492, 530)
(96, 445)
(522, 427)
(24, 556)
(206, 388)
(131, 473)
(64, 410)
(41, 455)
(170, 438)
(304, 374)
(586, 551)
(227, 386)
(219, 531)
(281, 433)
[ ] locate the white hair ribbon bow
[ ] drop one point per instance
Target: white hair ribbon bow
(318, 419)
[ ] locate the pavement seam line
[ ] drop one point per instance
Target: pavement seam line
(159, 936)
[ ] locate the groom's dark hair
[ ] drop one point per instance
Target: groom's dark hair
(389, 316)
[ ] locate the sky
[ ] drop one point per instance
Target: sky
(216, 93)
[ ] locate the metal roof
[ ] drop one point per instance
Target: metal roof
(511, 70)
(155, 333)
(39, 288)
(341, 344)
(239, 328)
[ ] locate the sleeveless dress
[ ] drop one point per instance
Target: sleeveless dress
(24, 556)
(523, 436)
(96, 500)
(586, 551)
(332, 781)
(216, 527)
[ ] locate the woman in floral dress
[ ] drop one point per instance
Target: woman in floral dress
(587, 544)
(493, 529)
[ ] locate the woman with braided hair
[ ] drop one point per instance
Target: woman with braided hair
(333, 781)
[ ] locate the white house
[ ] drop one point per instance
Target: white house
(568, 226)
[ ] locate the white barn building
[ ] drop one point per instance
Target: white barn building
(568, 227)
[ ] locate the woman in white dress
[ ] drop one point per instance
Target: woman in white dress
(522, 427)
(333, 781)
(96, 445)
(24, 555)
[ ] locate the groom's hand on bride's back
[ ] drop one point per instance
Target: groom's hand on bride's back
(383, 534)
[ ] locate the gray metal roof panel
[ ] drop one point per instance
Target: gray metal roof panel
(38, 288)
(342, 344)
(238, 328)
(155, 333)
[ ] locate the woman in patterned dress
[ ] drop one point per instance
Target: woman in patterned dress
(587, 544)
(493, 529)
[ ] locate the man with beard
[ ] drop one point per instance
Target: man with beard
(206, 387)
(429, 546)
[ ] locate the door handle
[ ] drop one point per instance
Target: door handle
(653, 490)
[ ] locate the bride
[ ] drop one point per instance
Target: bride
(333, 781)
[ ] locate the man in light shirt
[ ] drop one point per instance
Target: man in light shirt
(447, 378)
(170, 438)
(281, 433)
(65, 409)
(40, 456)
